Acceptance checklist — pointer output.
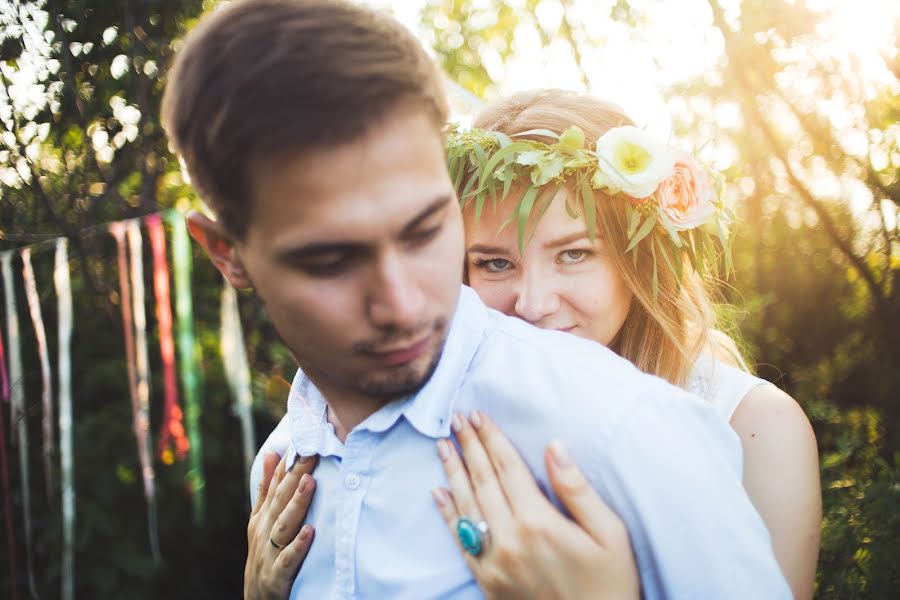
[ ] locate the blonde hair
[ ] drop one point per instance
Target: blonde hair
(664, 336)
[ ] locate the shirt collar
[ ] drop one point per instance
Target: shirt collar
(428, 411)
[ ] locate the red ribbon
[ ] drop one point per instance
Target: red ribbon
(173, 424)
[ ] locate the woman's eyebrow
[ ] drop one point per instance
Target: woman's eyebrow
(566, 239)
(485, 249)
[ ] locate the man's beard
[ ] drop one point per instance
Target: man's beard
(397, 385)
(385, 384)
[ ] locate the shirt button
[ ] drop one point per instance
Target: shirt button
(352, 481)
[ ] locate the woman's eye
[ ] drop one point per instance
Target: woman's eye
(569, 257)
(493, 265)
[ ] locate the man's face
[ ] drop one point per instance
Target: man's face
(357, 254)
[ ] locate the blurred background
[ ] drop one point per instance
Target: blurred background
(797, 102)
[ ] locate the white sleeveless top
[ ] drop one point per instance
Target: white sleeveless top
(721, 384)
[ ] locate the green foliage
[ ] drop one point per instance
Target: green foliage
(480, 162)
(97, 153)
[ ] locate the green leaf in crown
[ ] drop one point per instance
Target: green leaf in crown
(674, 204)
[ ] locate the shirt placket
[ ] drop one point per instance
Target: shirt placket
(354, 481)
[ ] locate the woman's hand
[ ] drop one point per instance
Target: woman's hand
(276, 542)
(532, 550)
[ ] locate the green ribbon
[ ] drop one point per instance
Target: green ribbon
(188, 358)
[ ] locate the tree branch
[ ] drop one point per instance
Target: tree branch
(737, 71)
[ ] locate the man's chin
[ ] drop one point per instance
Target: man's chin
(403, 380)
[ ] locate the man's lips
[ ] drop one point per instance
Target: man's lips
(398, 355)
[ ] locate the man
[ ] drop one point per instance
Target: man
(313, 131)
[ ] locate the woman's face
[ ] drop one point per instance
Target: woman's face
(562, 281)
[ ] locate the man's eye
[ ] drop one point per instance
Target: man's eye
(575, 255)
(493, 265)
(423, 235)
(327, 268)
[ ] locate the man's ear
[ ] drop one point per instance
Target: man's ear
(220, 247)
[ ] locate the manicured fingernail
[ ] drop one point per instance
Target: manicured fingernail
(304, 532)
(303, 481)
(560, 455)
(457, 423)
(443, 449)
(476, 419)
(440, 497)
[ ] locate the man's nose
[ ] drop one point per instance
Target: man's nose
(397, 299)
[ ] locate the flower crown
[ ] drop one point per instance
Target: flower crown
(673, 203)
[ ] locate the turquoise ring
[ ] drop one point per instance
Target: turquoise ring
(472, 535)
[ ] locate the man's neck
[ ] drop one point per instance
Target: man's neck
(347, 409)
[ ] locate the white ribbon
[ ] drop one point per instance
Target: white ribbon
(133, 230)
(237, 371)
(64, 298)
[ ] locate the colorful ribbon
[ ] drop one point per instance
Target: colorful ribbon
(188, 357)
(17, 406)
(64, 297)
(4, 380)
(34, 308)
(237, 371)
(4, 472)
(172, 425)
(140, 425)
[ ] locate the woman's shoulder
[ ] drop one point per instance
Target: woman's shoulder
(769, 410)
(723, 385)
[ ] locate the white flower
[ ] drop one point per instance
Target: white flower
(632, 162)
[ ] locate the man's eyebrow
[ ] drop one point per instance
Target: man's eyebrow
(436, 205)
(318, 249)
(566, 239)
(315, 250)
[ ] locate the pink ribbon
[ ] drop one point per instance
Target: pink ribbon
(118, 232)
(34, 307)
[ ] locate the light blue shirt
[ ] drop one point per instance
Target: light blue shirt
(660, 457)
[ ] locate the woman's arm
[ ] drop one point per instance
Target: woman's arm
(781, 476)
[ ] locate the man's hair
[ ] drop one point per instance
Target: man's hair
(262, 78)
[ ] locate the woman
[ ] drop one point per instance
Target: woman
(613, 276)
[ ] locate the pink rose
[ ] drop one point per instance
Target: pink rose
(687, 195)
